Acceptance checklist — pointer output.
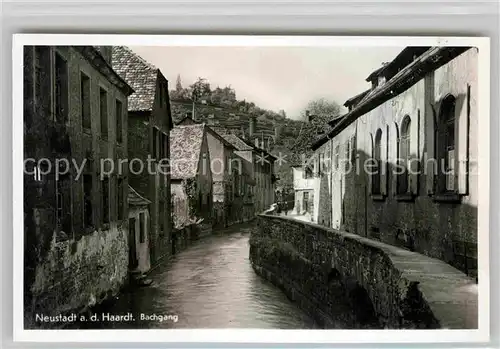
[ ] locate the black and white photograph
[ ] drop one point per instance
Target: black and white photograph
(206, 183)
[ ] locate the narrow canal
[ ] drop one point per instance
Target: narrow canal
(209, 285)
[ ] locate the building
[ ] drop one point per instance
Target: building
(417, 129)
(138, 228)
(192, 193)
(303, 186)
(226, 176)
(75, 208)
(265, 178)
(149, 125)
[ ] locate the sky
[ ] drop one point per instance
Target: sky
(273, 78)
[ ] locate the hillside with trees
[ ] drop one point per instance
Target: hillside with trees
(290, 138)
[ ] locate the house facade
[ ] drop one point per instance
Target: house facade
(227, 193)
(192, 184)
(75, 118)
(403, 164)
(303, 186)
(243, 189)
(265, 178)
(149, 124)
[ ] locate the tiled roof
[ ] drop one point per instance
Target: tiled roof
(185, 147)
(236, 141)
(139, 74)
(135, 199)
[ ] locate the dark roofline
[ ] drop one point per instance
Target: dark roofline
(98, 62)
(248, 148)
(357, 97)
(397, 60)
(219, 137)
(407, 77)
(374, 73)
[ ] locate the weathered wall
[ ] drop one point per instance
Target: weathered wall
(347, 281)
(80, 274)
(419, 220)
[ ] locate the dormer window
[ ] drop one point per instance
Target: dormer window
(381, 80)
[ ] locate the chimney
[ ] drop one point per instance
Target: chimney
(252, 121)
(106, 52)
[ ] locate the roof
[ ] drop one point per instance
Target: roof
(236, 141)
(97, 60)
(401, 60)
(185, 148)
(139, 74)
(135, 199)
(219, 136)
(357, 98)
(403, 80)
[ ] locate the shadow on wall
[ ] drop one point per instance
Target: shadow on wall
(443, 228)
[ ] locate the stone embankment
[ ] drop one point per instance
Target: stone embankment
(344, 280)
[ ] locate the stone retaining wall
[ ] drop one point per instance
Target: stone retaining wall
(345, 280)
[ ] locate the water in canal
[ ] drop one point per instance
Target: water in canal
(209, 285)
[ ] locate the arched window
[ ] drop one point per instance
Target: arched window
(377, 157)
(446, 145)
(404, 156)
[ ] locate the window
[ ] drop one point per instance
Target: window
(119, 199)
(161, 217)
(155, 143)
(88, 219)
(446, 145)
(376, 178)
(163, 146)
(63, 203)
(85, 100)
(41, 72)
(308, 173)
(336, 157)
(61, 89)
(404, 156)
(103, 109)
(353, 149)
(105, 200)
(60, 202)
(119, 127)
(347, 154)
(142, 235)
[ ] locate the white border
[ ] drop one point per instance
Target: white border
(256, 336)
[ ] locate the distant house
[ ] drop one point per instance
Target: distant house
(228, 188)
(138, 228)
(303, 186)
(244, 182)
(191, 175)
(149, 124)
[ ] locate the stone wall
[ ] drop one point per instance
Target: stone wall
(346, 281)
(80, 274)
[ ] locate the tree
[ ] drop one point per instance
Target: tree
(201, 88)
(321, 111)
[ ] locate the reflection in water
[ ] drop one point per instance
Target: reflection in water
(210, 285)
